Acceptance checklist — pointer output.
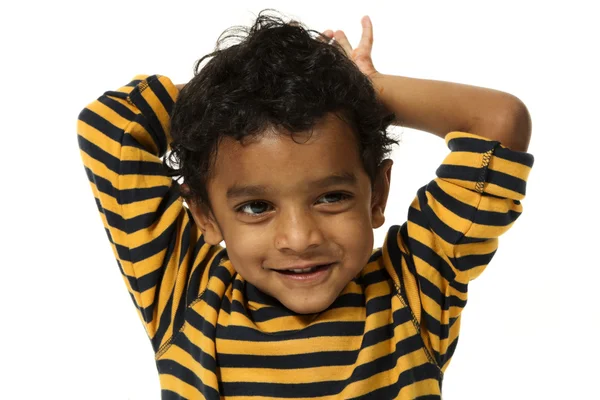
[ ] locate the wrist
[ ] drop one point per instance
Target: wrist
(377, 80)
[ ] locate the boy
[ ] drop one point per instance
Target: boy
(281, 142)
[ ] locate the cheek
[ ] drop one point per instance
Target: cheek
(247, 247)
(353, 232)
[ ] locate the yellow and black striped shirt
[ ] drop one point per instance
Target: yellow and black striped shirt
(389, 335)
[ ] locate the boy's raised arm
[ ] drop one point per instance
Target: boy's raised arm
(161, 254)
(454, 222)
(440, 107)
(452, 233)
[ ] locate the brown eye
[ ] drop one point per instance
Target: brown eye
(254, 208)
(335, 197)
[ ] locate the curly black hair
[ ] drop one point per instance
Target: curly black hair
(280, 75)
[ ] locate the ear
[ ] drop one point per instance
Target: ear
(381, 189)
(205, 220)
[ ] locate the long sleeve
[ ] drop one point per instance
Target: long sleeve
(160, 253)
(452, 233)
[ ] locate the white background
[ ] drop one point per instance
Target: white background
(69, 330)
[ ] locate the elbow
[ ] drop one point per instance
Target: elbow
(516, 125)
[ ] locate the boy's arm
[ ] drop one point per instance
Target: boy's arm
(454, 222)
(440, 107)
(452, 233)
(161, 254)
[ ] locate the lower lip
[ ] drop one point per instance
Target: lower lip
(318, 273)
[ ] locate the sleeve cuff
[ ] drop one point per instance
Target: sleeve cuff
(485, 166)
(155, 96)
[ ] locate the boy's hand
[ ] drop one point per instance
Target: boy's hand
(362, 54)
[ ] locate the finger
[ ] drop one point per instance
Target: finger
(366, 40)
(326, 36)
(341, 38)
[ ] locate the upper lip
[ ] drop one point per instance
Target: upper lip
(303, 265)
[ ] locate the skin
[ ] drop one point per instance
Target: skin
(294, 218)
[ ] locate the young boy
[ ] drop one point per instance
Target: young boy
(281, 142)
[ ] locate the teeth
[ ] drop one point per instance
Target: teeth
(301, 271)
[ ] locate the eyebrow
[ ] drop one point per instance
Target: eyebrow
(345, 178)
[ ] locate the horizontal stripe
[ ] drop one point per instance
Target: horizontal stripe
(200, 323)
(506, 181)
(320, 329)
(137, 223)
(374, 277)
(459, 286)
(203, 358)
(142, 168)
(213, 299)
(117, 94)
(377, 304)
(118, 108)
(470, 261)
(155, 246)
(434, 293)
(291, 361)
(315, 389)
(126, 196)
(520, 157)
(437, 224)
(469, 212)
(426, 254)
(170, 395)
(434, 326)
(416, 374)
(471, 144)
(102, 125)
(279, 390)
(378, 335)
(98, 154)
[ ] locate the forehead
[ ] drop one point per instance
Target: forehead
(283, 160)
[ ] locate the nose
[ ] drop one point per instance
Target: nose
(298, 231)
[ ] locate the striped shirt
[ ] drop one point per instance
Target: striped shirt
(389, 335)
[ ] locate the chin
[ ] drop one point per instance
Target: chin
(310, 306)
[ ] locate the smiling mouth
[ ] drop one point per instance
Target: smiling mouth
(303, 271)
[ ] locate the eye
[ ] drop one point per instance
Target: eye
(254, 208)
(334, 197)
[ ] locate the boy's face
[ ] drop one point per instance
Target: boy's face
(281, 202)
